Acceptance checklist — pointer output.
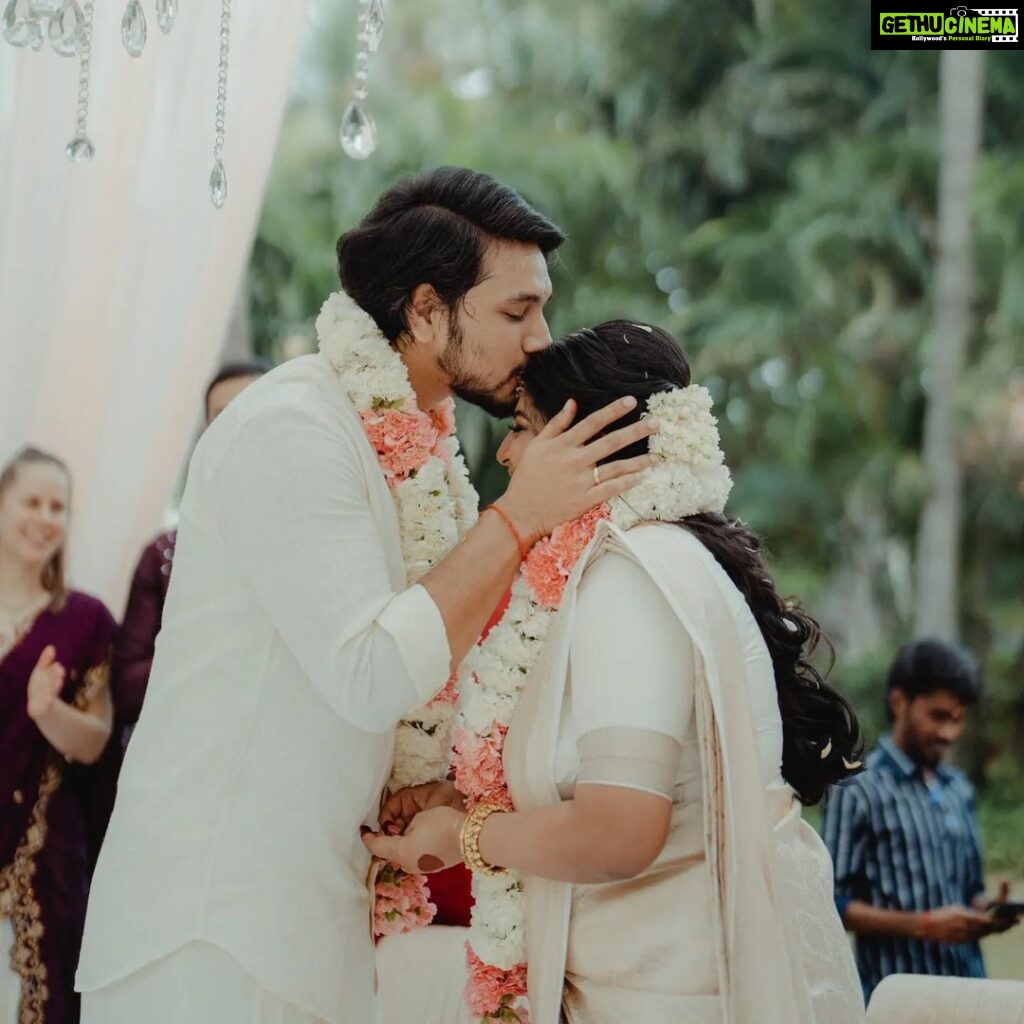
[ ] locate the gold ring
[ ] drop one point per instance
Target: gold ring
(597, 476)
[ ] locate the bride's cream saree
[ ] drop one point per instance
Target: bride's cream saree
(735, 920)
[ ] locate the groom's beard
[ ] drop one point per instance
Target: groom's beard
(498, 400)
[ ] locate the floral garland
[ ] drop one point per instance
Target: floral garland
(688, 477)
(436, 504)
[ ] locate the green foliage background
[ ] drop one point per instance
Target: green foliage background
(757, 180)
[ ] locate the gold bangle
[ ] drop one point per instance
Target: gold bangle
(469, 839)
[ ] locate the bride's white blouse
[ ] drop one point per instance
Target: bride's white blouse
(631, 667)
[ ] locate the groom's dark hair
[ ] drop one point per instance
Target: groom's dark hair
(433, 228)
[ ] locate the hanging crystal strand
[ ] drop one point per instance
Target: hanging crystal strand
(80, 147)
(218, 177)
(358, 131)
(66, 32)
(35, 30)
(166, 12)
(46, 8)
(22, 30)
(133, 28)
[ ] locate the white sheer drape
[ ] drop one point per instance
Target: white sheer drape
(117, 276)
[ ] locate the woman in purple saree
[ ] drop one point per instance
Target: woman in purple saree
(55, 716)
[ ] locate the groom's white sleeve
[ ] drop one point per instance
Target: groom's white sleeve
(290, 501)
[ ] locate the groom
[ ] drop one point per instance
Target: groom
(232, 884)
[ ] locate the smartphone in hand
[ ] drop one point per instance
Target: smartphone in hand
(1008, 911)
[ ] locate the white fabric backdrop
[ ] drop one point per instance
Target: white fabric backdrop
(117, 276)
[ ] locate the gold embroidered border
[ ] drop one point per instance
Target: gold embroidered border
(18, 902)
(94, 682)
(17, 895)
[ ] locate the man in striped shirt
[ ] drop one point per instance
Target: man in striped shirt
(903, 835)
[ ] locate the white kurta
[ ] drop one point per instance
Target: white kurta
(290, 648)
(196, 983)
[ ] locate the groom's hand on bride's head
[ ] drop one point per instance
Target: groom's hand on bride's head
(558, 478)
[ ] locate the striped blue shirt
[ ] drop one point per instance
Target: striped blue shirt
(900, 842)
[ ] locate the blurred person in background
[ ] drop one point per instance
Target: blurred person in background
(904, 834)
(133, 652)
(55, 716)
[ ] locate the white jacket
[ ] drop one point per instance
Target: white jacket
(290, 648)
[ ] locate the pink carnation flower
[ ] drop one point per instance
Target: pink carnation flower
(401, 902)
(443, 417)
(550, 564)
(571, 539)
(403, 441)
(479, 772)
(490, 990)
(450, 693)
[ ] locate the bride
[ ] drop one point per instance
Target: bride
(644, 728)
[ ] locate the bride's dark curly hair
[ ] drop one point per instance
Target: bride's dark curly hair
(821, 734)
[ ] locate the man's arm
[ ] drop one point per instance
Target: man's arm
(290, 501)
(945, 924)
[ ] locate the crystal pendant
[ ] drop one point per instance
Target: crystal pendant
(67, 30)
(374, 24)
(133, 28)
(47, 8)
(166, 12)
(218, 185)
(80, 148)
(358, 132)
(35, 38)
(17, 30)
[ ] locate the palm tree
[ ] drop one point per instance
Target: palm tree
(961, 89)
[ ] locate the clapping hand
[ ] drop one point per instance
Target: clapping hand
(45, 683)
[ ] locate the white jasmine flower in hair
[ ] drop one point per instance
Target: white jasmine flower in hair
(690, 475)
(687, 429)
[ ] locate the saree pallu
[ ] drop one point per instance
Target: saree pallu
(43, 849)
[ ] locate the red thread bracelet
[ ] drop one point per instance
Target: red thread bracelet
(506, 519)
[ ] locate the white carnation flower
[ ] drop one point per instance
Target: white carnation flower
(503, 953)
(481, 707)
(352, 343)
